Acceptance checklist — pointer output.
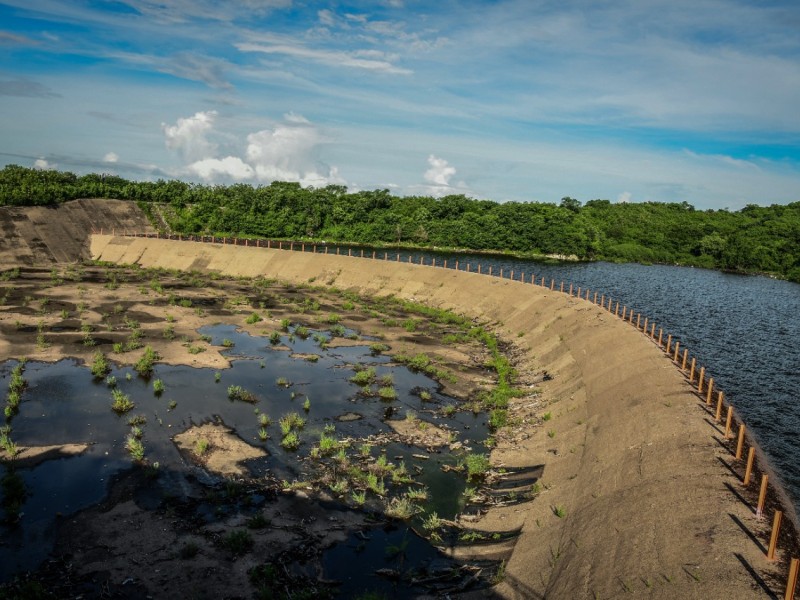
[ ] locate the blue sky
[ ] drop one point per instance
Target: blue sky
(662, 100)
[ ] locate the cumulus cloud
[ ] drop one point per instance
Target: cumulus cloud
(111, 157)
(624, 197)
(42, 164)
(288, 151)
(440, 172)
(233, 167)
(189, 136)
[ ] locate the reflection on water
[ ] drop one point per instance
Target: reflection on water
(63, 403)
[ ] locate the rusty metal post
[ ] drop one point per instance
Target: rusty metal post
(677, 349)
(644, 327)
(773, 540)
(685, 358)
(691, 371)
(740, 442)
(791, 581)
(638, 320)
(669, 343)
(748, 471)
(728, 422)
(710, 390)
(762, 495)
(718, 414)
(701, 380)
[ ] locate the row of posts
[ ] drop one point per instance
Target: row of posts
(705, 388)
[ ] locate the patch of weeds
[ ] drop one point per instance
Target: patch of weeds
(285, 324)
(364, 377)
(100, 366)
(253, 318)
(291, 441)
(547, 416)
(307, 404)
(237, 392)
(401, 508)
(498, 417)
(172, 405)
(169, 332)
(477, 466)
(275, 338)
(264, 420)
(560, 511)
(258, 521)
(448, 410)
(238, 542)
(158, 387)
(377, 348)
(217, 377)
(387, 393)
(134, 447)
(201, 446)
(122, 403)
(283, 382)
(144, 366)
(551, 433)
(226, 343)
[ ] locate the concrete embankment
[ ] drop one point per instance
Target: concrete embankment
(640, 493)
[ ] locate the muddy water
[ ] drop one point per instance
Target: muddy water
(63, 403)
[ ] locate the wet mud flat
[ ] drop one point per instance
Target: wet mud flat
(283, 441)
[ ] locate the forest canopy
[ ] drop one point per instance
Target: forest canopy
(753, 239)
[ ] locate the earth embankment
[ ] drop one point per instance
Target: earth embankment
(640, 493)
(42, 235)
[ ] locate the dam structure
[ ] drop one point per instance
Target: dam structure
(642, 478)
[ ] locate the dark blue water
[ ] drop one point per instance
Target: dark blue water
(63, 403)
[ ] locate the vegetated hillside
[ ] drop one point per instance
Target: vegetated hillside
(36, 235)
(759, 239)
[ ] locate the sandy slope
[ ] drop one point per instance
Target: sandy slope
(631, 456)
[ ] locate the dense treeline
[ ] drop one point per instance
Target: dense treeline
(762, 239)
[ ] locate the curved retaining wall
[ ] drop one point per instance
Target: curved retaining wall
(648, 493)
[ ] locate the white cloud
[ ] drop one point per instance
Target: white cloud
(43, 164)
(326, 17)
(180, 11)
(440, 171)
(111, 157)
(624, 197)
(230, 167)
(334, 58)
(188, 136)
(286, 152)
